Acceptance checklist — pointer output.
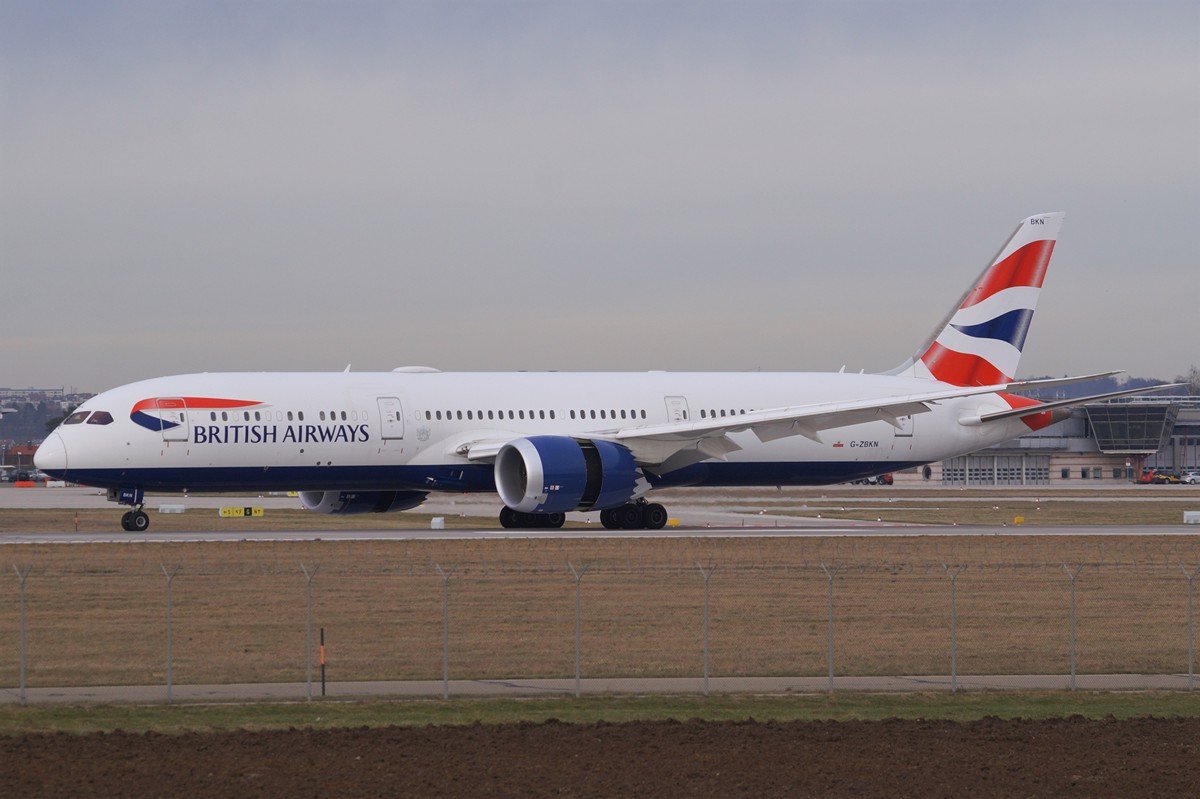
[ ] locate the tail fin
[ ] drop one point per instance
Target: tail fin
(979, 343)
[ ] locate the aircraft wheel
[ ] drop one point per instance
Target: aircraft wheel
(629, 517)
(555, 520)
(609, 520)
(654, 517)
(139, 522)
(125, 521)
(508, 518)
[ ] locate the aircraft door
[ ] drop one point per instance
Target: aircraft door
(172, 411)
(677, 410)
(391, 418)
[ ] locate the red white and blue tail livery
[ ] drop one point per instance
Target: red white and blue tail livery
(981, 343)
(553, 442)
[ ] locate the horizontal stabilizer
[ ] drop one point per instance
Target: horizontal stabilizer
(1070, 403)
(1054, 382)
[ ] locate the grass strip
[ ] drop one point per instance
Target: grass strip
(378, 713)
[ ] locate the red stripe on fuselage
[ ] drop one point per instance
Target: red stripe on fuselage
(194, 403)
(961, 369)
(1025, 267)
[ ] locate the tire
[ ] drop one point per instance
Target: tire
(555, 520)
(608, 518)
(508, 518)
(654, 517)
(629, 517)
(139, 522)
(125, 521)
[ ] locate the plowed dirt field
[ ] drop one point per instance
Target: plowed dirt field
(990, 757)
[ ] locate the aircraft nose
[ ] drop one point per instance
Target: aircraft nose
(51, 456)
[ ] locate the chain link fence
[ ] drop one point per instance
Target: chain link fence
(838, 623)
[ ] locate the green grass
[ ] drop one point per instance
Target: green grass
(327, 714)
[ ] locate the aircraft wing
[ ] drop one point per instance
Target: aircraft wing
(672, 446)
(667, 447)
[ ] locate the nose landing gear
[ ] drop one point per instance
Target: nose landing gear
(136, 520)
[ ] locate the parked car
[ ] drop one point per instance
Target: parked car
(1191, 478)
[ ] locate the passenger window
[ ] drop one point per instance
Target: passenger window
(300, 415)
(101, 417)
(459, 415)
(593, 414)
(428, 416)
(602, 414)
(212, 415)
(511, 415)
(343, 416)
(572, 414)
(551, 414)
(643, 414)
(439, 416)
(321, 416)
(76, 418)
(257, 416)
(490, 416)
(702, 413)
(541, 414)
(521, 414)
(470, 414)
(289, 415)
(622, 413)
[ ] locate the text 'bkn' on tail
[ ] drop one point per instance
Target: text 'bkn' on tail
(980, 341)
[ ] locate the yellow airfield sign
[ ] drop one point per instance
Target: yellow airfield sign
(230, 512)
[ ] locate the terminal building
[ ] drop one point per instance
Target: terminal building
(1111, 441)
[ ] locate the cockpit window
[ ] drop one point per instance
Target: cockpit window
(101, 417)
(76, 418)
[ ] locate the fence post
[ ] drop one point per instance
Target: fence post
(578, 575)
(953, 574)
(445, 575)
(706, 574)
(308, 576)
(1191, 628)
(21, 575)
(830, 573)
(169, 574)
(1072, 573)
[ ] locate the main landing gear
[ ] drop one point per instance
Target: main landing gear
(511, 519)
(635, 516)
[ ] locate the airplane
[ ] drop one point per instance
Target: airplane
(554, 442)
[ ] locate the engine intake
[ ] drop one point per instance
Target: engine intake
(555, 474)
(354, 502)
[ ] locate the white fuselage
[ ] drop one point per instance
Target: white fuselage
(407, 430)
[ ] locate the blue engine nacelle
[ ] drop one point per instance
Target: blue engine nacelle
(555, 474)
(351, 502)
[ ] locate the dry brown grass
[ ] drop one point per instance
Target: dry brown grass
(96, 612)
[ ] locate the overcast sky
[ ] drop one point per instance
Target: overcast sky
(297, 186)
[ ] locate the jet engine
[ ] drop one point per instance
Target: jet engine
(555, 474)
(351, 502)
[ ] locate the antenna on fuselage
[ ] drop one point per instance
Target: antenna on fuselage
(347, 369)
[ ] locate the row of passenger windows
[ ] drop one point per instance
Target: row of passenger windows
(523, 414)
(97, 417)
(297, 416)
(712, 414)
